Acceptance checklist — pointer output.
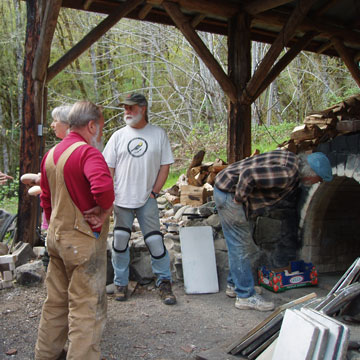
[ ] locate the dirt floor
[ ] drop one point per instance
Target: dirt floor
(143, 327)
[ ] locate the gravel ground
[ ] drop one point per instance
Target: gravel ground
(143, 327)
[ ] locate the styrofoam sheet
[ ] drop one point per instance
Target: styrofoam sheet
(198, 260)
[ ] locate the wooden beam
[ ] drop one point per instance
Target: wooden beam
(184, 25)
(285, 61)
(258, 6)
(324, 47)
(92, 37)
(327, 28)
(286, 33)
(87, 4)
(325, 7)
(48, 25)
(147, 8)
(144, 11)
(197, 20)
(347, 58)
(223, 8)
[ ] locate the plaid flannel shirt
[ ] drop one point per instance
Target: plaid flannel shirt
(262, 180)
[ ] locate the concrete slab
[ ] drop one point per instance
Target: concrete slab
(198, 260)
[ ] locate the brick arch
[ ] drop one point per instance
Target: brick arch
(329, 230)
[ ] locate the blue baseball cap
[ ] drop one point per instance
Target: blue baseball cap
(320, 163)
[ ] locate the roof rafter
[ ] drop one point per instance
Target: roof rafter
(91, 37)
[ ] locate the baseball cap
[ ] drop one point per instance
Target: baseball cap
(135, 99)
(320, 163)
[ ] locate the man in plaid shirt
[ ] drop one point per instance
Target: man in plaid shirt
(248, 186)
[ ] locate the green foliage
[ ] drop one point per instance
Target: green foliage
(173, 177)
(10, 204)
(203, 136)
(10, 189)
(9, 195)
(267, 138)
(263, 138)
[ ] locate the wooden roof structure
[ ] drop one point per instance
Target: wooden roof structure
(330, 27)
(329, 18)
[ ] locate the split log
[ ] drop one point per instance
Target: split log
(348, 126)
(172, 199)
(196, 161)
(306, 132)
(318, 119)
(192, 195)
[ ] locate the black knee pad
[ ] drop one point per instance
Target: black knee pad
(155, 243)
(121, 239)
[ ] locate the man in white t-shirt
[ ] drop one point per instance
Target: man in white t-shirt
(139, 157)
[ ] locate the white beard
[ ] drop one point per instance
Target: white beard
(132, 120)
(95, 143)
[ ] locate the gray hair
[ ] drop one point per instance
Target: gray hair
(304, 168)
(82, 112)
(61, 113)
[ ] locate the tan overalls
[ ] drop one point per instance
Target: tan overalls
(75, 307)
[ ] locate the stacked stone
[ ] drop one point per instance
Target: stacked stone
(7, 267)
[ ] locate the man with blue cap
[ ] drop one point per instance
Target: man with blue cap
(243, 190)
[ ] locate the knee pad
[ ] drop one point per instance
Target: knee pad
(155, 243)
(121, 239)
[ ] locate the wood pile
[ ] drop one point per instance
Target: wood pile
(324, 125)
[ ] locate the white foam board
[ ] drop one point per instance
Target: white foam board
(338, 335)
(321, 344)
(297, 338)
(198, 260)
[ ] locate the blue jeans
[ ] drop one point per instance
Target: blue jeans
(148, 217)
(239, 241)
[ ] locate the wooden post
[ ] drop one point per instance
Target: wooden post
(239, 63)
(30, 142)
(41, 21)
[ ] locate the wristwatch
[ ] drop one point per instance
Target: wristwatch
(154, 194)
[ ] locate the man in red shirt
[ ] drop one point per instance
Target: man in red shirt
(77, 197)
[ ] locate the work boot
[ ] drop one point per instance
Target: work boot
(121, 293)
(166, 294)
(230, 290)
(255, 302)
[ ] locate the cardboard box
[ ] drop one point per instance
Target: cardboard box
(296, 274)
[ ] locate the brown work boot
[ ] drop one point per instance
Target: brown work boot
(166, 294)
(121, 293)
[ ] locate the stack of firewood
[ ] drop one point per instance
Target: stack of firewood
(324, 125)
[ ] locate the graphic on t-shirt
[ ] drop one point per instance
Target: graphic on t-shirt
(137, 147)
